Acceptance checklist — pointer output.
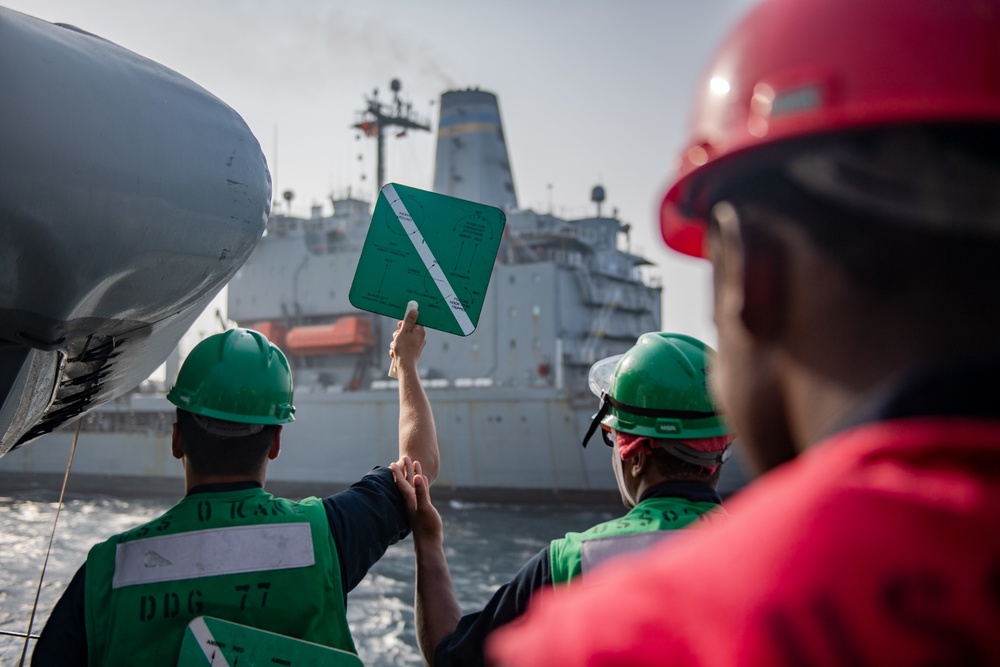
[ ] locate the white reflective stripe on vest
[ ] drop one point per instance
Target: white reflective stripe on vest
(208, 553)
(595, 551)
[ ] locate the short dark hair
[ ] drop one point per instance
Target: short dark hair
(208, 453)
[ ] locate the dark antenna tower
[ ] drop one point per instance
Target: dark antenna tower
(377, 117)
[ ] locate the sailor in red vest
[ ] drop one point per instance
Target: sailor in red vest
(843, 177)
(228, 549)
(668, 444)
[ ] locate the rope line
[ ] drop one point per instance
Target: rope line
(62, 494)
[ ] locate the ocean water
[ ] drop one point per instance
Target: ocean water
(485, 544)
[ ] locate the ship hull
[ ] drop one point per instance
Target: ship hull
(497, 445)
(501, 445)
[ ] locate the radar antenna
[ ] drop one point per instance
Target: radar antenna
(374, 120)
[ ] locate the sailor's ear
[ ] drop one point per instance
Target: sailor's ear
(275, 448)
(638, 463)
(175, 443)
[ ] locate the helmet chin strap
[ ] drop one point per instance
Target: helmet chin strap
(616, 465)
(595, 423)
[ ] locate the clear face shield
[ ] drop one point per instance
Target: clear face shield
(599, 379)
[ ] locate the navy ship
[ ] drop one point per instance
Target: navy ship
(510, 401)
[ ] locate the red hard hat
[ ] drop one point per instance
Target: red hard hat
(795, 68)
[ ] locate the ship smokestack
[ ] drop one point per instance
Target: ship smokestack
(472, 160)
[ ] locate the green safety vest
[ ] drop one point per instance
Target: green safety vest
(243, 556)
(577, 553)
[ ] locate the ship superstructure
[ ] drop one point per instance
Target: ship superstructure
(562, 294)
(510, 401)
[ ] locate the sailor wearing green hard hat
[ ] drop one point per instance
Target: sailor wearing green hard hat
(239, 378)
(668, 443)
(231, 558)
(655, 402)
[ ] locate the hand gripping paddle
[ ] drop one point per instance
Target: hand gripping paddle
(410, 307)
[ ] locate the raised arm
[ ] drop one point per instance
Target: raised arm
(417, 434)
(436, 609)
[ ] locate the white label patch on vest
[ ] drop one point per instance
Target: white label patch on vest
(213, 552)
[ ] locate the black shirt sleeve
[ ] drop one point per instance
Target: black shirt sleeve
(465, 645)
(365, 519)
(63, 642)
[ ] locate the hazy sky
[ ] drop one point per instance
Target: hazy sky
(590, 92)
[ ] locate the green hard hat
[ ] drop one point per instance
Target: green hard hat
(238, 376)
(658, 389)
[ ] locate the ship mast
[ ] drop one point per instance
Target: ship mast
(377, 117)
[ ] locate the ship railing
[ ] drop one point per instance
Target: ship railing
(637, 301)
(352, 232)
(592, 350)
(155, 422)
(431, 383)
(586, 285)
(600, 326)
(474, 382)
(440, 383)
(636, 298)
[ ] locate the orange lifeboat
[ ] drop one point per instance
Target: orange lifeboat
(348, 335)
(273, 331)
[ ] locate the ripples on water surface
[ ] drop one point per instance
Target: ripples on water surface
(486, 544)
